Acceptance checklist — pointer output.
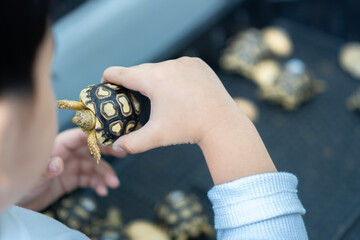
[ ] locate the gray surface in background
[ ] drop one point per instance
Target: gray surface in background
(99, 34)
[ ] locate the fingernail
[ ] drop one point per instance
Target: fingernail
(117, 148)
(103, 191)
(54, 165)
(114, 181)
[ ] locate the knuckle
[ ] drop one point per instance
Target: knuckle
(110, 71)
(197, 60)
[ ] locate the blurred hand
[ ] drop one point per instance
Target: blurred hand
(71, 167)
(187, 101)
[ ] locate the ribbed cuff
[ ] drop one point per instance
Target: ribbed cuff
(255, 198)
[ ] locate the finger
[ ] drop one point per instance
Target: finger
(133, 78)
(84, 180)
(116, 152)
(69, 140)
(54, 168)
(99, 186)
(84, 151)
(144, 139)
(101, 190)
(108, 174)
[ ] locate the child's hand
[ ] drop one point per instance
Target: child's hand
(189, 104)
(187, 101)
(71, 167)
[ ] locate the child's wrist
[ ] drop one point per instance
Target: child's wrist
(234, 149)
(222, 130)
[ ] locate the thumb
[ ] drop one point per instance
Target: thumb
(141, 140)
(54, 168)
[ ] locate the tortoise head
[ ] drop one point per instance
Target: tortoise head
(84, 119)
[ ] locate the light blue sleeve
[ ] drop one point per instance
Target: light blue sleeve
(22, 224)
(263, 206)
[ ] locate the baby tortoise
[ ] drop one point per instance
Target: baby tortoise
(76, 212)
(104, 113)
(288, 85)
(353, 102)
(251, 46)
(182, 216)
(145, 230)
(349, 58)
(109, 229)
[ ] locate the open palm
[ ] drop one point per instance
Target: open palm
(71, 167)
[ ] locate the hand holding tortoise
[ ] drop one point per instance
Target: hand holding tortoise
(189, 104)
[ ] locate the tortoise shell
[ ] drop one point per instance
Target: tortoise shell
(290, 85)
(145, 230)
(111, 228)
(76, 212)
(117, 110)
(252, 46)
(182, 214)
(244, 51)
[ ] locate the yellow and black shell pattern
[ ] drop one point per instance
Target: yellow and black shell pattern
(77, 212)
(117, 110)
(181, 213)
(110, 228)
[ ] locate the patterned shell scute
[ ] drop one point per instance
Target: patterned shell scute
(76, 212)
(116, 109)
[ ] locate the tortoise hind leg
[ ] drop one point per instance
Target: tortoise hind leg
(94, 148)
(71, 105)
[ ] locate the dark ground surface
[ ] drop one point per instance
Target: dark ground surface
(319, 143)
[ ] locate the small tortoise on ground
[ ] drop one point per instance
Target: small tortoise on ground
(77, 212)
(353, 103)
(145, 230)
(109, 229)
(104, 113)
(349, 58)
(251, 46)
(182, 216)
(288, 85)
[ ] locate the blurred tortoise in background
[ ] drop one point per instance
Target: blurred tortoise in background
(353, 103)
(77, 212)
(247, 107)
(247, 48)
(104, 113)
(182, 216)
(349, 58)
(145, 230)
(109, 229)
(289, 85)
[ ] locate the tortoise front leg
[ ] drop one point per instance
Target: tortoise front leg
(71, 105)
(94, 148)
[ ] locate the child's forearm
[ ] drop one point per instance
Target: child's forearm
(234, 149)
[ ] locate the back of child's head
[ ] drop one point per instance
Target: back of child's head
(27, 109)
(22, 28)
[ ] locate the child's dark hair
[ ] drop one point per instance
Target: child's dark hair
(23, 25)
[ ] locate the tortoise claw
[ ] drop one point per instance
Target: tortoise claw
(94, 148)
